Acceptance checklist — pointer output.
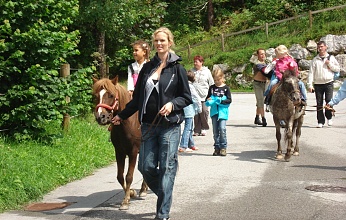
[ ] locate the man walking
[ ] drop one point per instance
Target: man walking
(320, 81)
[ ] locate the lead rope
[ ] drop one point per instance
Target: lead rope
(151, 126)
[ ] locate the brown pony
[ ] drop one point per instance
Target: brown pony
(126, 138)
(285, 105)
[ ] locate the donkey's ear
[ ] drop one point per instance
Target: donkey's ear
(115, 80)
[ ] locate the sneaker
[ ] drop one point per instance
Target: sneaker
(330, 122)
(181, 150)
(188, 150)
(203, 133)
(223, 152)
(216, 152)
(195, 134)
(193, 148)
(282, 123)
(267, 108)
(319, 125)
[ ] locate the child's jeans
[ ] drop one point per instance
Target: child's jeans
(186, 138)
(219, 131)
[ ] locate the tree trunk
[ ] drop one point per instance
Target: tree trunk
(210, 15)
(102, 58)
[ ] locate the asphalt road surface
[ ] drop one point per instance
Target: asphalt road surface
(249, 183)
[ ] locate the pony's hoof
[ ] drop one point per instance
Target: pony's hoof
(124, 207)
(296, 153)
(287, 158)
(143, 194)
(279, 156)
(133, 193)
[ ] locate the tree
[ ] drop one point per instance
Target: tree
(34, 41)
(108, 27)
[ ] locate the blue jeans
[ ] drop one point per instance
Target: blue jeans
(219, 131)
(186, 138)
(273, 81)
(158, 162)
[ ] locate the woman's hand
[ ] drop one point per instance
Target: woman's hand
(116, 120)
(166, 109)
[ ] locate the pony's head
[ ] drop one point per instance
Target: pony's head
(110, 98)
(291, 87)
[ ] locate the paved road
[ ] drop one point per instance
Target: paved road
(246, 184)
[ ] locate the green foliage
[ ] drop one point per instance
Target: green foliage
(30, 169)
(123, 22)
(35, 41)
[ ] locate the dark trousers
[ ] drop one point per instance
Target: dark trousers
(323, 91)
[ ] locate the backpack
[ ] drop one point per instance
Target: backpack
(336, 74)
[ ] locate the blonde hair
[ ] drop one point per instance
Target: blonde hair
(281, 50)
(219, 75)
(167, 32)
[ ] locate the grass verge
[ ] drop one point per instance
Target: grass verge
(31, 169)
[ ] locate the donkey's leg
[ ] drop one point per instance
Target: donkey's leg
(289, 135)
(278, 139)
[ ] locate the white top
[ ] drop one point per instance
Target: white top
(136, 68)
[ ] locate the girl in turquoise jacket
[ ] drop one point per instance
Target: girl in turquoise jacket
(219, 99)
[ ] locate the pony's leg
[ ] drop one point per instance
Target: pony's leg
(298, 133)
(120, 177)
(144, 189)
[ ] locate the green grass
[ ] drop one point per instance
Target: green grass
(31, 169)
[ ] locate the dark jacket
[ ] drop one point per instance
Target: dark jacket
(173, 87)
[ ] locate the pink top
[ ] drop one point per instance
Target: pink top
(285, 63)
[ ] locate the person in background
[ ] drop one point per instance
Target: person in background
(259, 85)
(219, 99)
(321, 80)
(187, 144)
(141, 52)
(203, 80)
(161, 93)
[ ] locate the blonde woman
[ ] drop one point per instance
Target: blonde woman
(161, 93)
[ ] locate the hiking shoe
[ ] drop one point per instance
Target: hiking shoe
(264, 122)
(330, 122)
(257, 121)
(223, 152)
(216, 152)
(193, 148)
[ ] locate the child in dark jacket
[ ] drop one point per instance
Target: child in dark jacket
(219, 99)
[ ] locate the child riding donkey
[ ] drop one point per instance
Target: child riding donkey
(283, 62)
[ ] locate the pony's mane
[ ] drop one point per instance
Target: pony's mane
(108, 85)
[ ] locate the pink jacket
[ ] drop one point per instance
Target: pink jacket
(285, 63)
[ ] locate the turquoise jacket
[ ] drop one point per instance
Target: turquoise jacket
(217, 108)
